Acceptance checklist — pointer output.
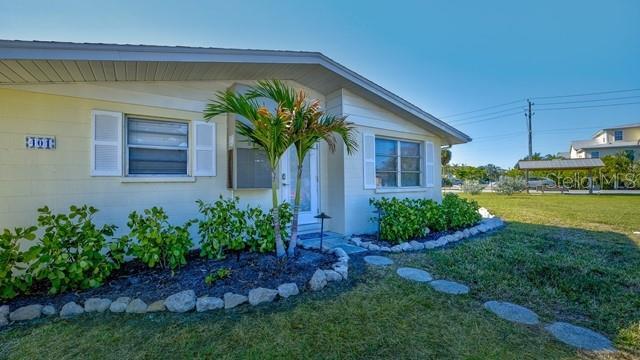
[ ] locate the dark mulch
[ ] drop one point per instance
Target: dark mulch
(432, 236)
(136, 280)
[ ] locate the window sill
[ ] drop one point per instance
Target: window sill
(402, 190)
(158, 179)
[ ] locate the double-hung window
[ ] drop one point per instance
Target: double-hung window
(398, 163)
(617, 135)
(157, 147)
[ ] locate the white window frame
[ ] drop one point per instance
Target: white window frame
(615, 135)
(126, 146)
(595, 152)
(398, 171)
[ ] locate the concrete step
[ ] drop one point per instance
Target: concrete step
(330, 240)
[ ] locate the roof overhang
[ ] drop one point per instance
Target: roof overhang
(36, 62)
(568, 164)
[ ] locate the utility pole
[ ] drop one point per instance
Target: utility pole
(529, 115)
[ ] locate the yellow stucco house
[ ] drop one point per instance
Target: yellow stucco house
(609, 141)
(120, 127)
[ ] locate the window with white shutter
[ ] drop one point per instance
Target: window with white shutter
(106, 143)
(205, 163)
(430, 163)
(369, 160)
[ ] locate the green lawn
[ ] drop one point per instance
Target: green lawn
(570, 258)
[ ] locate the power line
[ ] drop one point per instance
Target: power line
(486, 108)
(543, 131)
(590, 100)
(589, 106)
(490, 118)
(487, 114)
(586, 94)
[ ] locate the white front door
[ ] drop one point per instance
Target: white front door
(309, 184)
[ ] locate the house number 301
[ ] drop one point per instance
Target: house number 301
(40, 142)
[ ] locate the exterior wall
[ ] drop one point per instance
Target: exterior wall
(612, 151)
(59, 178)
(30, 179)
(628, 134)
(357, 209)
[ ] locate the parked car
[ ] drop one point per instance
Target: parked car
(538, 182)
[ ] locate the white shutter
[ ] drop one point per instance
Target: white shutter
(429, 162)
(369, 157)
(106, 143)
(205, 149)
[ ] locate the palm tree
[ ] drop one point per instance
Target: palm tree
(310, 125)
(269, 131)
(445, 157)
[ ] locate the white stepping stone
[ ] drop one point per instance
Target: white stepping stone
(449, 287)
(414, 274)
(512, 312)
(579, 337)
(378, 260)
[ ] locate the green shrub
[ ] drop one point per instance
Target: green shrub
(13, 262)
(219, 274)
(260, 233)
(472, 187)
(509, 185)
(222, 228)
(431, 212)
(73, 252)
(406, 219)
(158, 242)
(459, 212)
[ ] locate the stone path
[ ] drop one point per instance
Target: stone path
(449, 287)
(512, 312)
(572, 335)
(579, 337)
(414, 274)
(378, 260)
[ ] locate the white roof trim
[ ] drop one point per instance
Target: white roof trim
(40, 50)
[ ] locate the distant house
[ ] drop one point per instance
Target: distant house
(608, 141)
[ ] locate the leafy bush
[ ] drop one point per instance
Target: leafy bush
(223, 227)
(219, 274)
(405, 219)
(260, 233)
(13, 260)
(72, 253)
(459, 212)
(509, 185)
(472, 187)
(159, 243)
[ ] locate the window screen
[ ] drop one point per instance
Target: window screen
(156, 147)
(398, 163)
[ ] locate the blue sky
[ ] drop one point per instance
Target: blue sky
(444, 56)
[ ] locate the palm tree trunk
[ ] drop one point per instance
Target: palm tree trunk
(296, 210)
(276, 214)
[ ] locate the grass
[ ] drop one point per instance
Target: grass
(569, 258)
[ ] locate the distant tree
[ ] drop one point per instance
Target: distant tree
(617, 166)
(467, 172)
(492, 172)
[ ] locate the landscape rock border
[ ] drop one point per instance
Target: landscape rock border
(488, 223)
(183, 301)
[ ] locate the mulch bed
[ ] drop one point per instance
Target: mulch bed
(136, 280)
(432, 236)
